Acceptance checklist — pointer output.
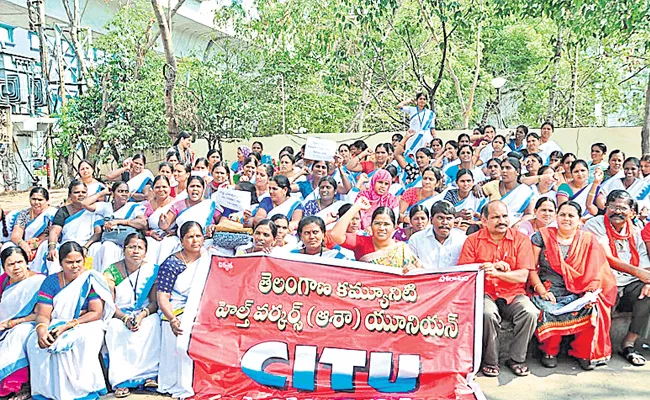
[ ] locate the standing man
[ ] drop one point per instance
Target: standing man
(628, 257)
(506, 257)
(422, 121)
(439, 245)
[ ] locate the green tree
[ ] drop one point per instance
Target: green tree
(124, 111)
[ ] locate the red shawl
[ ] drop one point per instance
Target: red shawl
(612, 235)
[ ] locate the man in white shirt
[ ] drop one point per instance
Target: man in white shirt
(630, 265)
(439, 245)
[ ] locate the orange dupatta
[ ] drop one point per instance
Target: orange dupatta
(586, 269)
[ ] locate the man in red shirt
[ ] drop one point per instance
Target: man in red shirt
(506, 257)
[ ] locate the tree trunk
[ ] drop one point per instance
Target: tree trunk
(645, 132)
(573, 101)
(467, 113)
(74, 21)
(552, 97)
(169, 70)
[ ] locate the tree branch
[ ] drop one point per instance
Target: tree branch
(153, 39)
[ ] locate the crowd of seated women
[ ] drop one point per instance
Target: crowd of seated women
(110, 269)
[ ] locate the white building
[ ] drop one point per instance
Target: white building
(22, 99)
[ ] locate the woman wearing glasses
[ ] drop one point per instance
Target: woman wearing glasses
(133, 335)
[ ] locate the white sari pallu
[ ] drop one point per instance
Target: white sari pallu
(134, 356)
(203, 213)
(518, 200)
(138, 182)
(287, 208)
(471, 202)
(153, 246)
(110, 252)
(37, 226)
(70, 368)
(581, 198)
(17, 301)
(79, 228)
(639, 189)
(176, 367)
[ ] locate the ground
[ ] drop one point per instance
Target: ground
(19, 200)
(618, 380)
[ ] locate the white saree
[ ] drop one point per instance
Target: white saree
(140, 181)
(134, 356)
(109, 252)
(203, 213)
(79, 228)
(176, 367)
(70, 368)
(287, 208)
(153, 245)
(17, 301)
(518, 200)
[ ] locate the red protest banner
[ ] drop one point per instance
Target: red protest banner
(277, 328)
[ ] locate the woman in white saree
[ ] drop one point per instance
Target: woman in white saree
(72, 309)
(580, 190)
(33, 223)
(174, 283)
(193, 208)
(136, 176)
(71, 223)
(18, 291)
(133, 334)
(153, 209)
(631, 181)
(86, 171)
(283, 203)
(119, 213)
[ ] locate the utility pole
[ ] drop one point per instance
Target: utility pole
(36, 12)
(60, 67)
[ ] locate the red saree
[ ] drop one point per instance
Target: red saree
(584, 269)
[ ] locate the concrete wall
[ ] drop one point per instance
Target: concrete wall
(575, 140)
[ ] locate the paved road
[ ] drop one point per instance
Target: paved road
(618, 380)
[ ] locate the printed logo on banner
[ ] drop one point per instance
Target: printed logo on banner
(271, 328)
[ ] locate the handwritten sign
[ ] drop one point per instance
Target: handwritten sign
(234, 199)
(320, 149)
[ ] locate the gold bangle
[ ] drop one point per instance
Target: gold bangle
(535, 287)
(37, 325)
(74, 322)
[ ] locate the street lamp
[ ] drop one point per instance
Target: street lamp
(498, 83)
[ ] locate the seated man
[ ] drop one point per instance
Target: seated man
(438, 246)
(628, 258)
(507, 257)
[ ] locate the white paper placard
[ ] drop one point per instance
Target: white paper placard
(320, 149)
(234, 199)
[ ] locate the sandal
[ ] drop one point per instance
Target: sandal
(150, 384)
(632, 356)
(22, 395)
(548, 360)
(490, 370)
(585, 364)
(121, 393)
(517, 368)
